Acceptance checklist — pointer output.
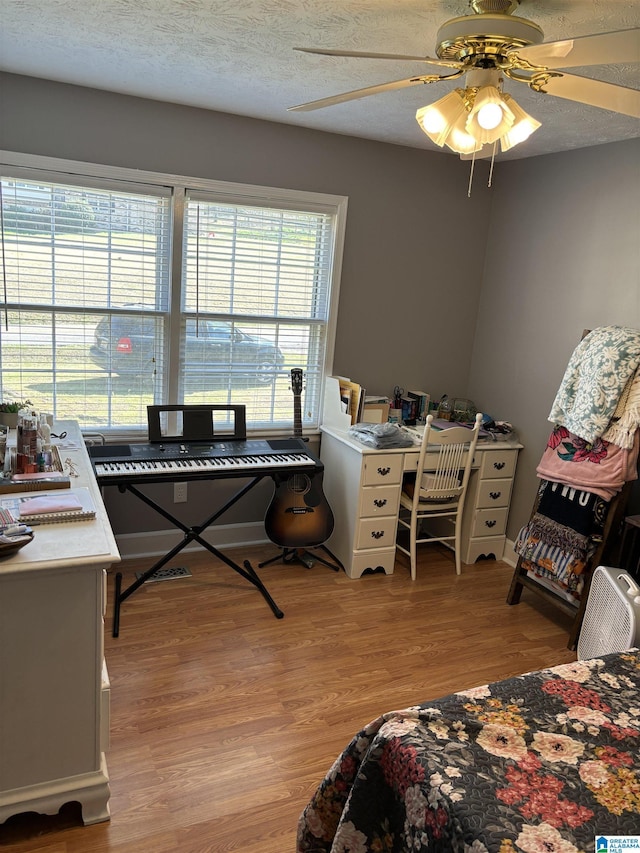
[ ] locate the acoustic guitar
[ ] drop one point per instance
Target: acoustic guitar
(298, 515)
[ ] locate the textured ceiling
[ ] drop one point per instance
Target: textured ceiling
(238, 57)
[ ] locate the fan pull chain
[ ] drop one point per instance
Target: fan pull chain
(493, 157)
(473, 163)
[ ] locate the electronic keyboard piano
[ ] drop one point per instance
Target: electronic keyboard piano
(128, 466)
(176, 461)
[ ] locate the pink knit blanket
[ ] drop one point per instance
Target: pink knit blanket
(599, 467)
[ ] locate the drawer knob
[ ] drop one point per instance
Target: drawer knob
(495, 495)
(499, 465)
(383, 471)
(377, 534)
(380, 502)
(490, 523)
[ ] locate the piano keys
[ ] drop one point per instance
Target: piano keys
(173, 461)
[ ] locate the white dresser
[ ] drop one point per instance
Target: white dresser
(54, 687)
(363, 488)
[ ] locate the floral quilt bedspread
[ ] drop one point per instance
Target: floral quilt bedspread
(542, 763)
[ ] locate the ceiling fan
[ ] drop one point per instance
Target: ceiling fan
(487, 46)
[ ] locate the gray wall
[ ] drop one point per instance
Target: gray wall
(563, 255)
(414, 244)
(482, 297)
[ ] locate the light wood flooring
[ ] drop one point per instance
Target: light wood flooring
(224, 719)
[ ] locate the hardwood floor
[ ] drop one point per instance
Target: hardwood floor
(224, 719)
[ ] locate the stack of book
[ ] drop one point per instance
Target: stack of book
(44, 480)
(415, 407)
(421, 400)
(73, 505)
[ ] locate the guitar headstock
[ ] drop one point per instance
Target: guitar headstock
(296, 381)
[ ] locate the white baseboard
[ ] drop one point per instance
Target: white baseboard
(510, 557)
(155, 543)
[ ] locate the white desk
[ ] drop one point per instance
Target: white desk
(54, 688)
(363, 488)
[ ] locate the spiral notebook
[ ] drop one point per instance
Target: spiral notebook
(61, 505)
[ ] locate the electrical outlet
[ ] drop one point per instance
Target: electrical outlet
(179, 493)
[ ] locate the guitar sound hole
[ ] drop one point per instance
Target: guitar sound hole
(299, 484)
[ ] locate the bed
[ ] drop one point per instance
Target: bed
(540, 763)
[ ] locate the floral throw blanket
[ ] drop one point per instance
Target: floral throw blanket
(595, 379)
(542, 763)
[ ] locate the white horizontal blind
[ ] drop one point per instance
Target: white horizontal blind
(74, 260)
(259, 276)
(122, 289)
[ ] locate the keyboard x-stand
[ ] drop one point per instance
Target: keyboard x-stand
(128, 466)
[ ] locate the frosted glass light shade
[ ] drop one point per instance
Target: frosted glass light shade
(437, 119)
(459, 140)
(523, 126)
(490, 116)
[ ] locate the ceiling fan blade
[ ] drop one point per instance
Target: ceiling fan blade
(447, 63)
(369, 90)
(596, 93)
(601, 49)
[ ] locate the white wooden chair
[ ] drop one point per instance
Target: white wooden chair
(439, 489)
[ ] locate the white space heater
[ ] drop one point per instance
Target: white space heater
(612, 616)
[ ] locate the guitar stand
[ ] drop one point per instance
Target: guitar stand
(190, 534)
(305, 558)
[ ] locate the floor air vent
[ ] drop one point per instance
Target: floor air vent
(167, 574)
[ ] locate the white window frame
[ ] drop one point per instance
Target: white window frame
(31, 167)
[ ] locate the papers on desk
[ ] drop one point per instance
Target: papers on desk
(351, 398)
(343, 402)
(417, 431)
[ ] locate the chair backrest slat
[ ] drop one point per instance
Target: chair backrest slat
(446, 472)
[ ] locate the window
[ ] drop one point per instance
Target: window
(121, 294)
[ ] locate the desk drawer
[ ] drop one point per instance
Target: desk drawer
(382, 468)
(493, 493)
(376, 532)
(490, 522)
(498, 463)
(379, 500)
(373, 559)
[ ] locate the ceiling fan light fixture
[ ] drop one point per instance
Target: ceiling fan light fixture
(437, 119)
(490, 116)
(523, 126)
(460, 141)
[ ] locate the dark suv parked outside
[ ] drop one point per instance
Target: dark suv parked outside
(125, 344)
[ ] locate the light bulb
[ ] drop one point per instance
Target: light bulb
(459, 140)
(432, 121)
(489, 116)
(437, 119)
(522, 129)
